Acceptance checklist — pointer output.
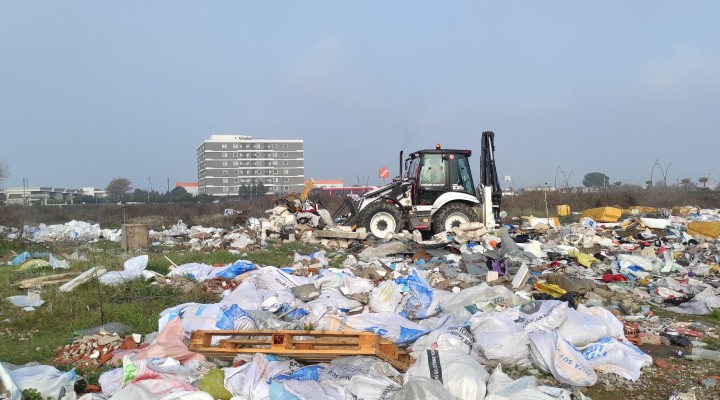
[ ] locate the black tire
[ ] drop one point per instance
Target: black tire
(379, 217)
(450, 211)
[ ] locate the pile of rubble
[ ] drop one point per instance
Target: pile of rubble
(93, 351)
(576, 301)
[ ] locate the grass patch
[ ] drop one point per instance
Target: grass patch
(32, 336)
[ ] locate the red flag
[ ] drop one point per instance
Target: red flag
(384, 173)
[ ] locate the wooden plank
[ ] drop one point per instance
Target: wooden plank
(340, 235)
(82, 278)
(45, 280)
(304, 346)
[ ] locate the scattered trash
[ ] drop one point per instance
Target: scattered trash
(572, 300)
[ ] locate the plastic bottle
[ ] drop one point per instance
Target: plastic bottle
(706, 354)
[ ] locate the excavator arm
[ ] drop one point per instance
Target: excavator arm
(490, 192)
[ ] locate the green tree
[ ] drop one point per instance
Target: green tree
(703, 181)
(596, 179)
(179, 195)
(244, 191)
(261, 189)
(118, 188)
(4, 170)
(686, 182)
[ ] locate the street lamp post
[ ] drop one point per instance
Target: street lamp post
(556, 172)
(149, 189)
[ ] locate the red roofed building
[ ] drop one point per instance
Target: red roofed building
(328, 183)
(190, 187)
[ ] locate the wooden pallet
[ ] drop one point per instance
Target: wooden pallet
(305, 346)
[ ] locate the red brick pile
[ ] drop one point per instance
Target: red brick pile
(91, 352)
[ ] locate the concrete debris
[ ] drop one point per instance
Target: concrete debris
(575, 301)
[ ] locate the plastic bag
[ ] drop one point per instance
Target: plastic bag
(361, 378)
(621, 358)
(543, 315)
(332, 298)
(134, 268)
(450, 335)
(47, 380)
(296, 390)
(551, 353)
(502, 387)
(385, 298)
(57, 263)
(499, 340)
(481, 297)
(271, 278)
(421, 388)
(160, 389)
(225, 316)
(237, 268)
(213, 384)
(421, 303)
(8, 387)
(392, 327)
(246, 294)
(459, 373)
(588, 325)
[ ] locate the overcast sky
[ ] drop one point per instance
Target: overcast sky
(93, 90)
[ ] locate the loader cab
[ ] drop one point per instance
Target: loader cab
(432, 173)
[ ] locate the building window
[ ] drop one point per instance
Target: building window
(235, 146)
(286, 171)
(284, 155)
(274, 163)
(225, 172)
(236, 163)
(285, 146)
(286, 179)
(224, 146)
(286, 188)
(225, 180)
(285, 162)
(224, 154)
(275, 172)
(224, 163)
(237, 172)
(225, 189)
(274, 145)
(237, 180)
(235, 155)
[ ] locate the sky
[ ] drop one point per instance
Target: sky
(90, 90)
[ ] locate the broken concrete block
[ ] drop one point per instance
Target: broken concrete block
(417, 236)
(471, 226)
(305, 292)
(340, 235)
(460, 236)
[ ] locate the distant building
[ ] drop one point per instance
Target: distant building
(40, 195)
(227, 162)
(328, 183)
(190, 187)
(91, 191)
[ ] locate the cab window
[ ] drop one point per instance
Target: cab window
(432, 172)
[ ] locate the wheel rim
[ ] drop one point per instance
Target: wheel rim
(455, 219)
(382, 223)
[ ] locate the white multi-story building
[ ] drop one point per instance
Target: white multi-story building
(227, 162)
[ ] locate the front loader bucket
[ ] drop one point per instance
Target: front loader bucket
(346, 214)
